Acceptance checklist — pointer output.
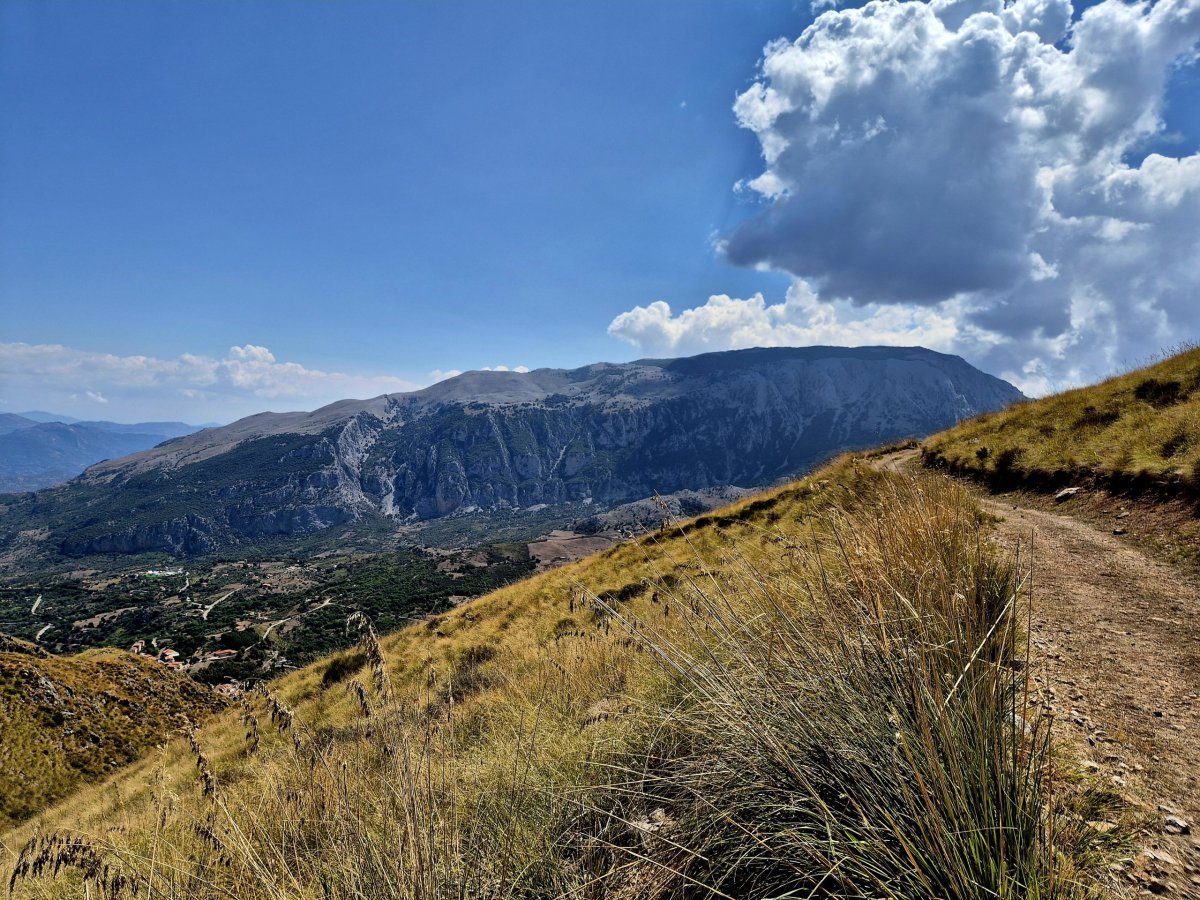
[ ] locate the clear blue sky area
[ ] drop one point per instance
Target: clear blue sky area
(389, 186)
(214, 207)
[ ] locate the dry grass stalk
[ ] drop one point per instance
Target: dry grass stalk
(207, 779)
(251, 722)
(47, 855)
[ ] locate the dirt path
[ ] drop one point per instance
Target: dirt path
(213, 605)
(299, 615)
(1116, 639)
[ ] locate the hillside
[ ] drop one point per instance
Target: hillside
(488, 445)
(1139, 432)
(12, 422)
(68, 721)
(810, 693)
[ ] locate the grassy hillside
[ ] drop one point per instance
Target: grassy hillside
(1140, 430)
(813, 693)
(65, 721)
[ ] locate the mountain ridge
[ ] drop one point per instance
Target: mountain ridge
(605, 433)
(513, 387)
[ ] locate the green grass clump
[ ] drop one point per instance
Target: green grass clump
(820, 693)
(1140, 430)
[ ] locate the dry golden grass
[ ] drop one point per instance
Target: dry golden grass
(65, 721)
(811, 693)
(1139, 430)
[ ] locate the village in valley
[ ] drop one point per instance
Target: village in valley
(228, 621)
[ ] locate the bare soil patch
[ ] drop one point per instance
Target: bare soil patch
(561, 547)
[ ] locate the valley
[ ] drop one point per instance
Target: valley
(249, 618)
(244, 549)
(232, 619)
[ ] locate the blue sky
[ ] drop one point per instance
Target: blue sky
(376, 193)
(395, 187)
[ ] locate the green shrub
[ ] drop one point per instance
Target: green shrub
(1160, 393)
(1091, 417)
(1006, 459)
(342, 667)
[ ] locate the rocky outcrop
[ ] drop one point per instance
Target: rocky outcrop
(189, 535)
(604, 434)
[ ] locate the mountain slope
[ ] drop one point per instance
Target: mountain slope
(642, 724)
(1139, 430)
(13, 422)
(496, 441)
(72, 720)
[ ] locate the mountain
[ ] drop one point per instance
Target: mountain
(40, 415)
(13, 422)
(495, 442)
(166, 429)
(36, 454)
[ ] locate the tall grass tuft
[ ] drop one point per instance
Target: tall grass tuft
(852, 724)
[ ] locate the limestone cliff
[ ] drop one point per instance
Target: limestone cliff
(602, 434)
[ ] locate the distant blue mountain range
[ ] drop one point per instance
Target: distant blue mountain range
(39, 449)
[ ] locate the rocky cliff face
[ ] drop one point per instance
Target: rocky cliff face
(603, 434)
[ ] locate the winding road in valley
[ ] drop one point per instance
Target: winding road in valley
(204, 613)
(300, 615)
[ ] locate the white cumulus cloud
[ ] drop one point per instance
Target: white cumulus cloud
(974, 170)
(245, 380)
(800, 319)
